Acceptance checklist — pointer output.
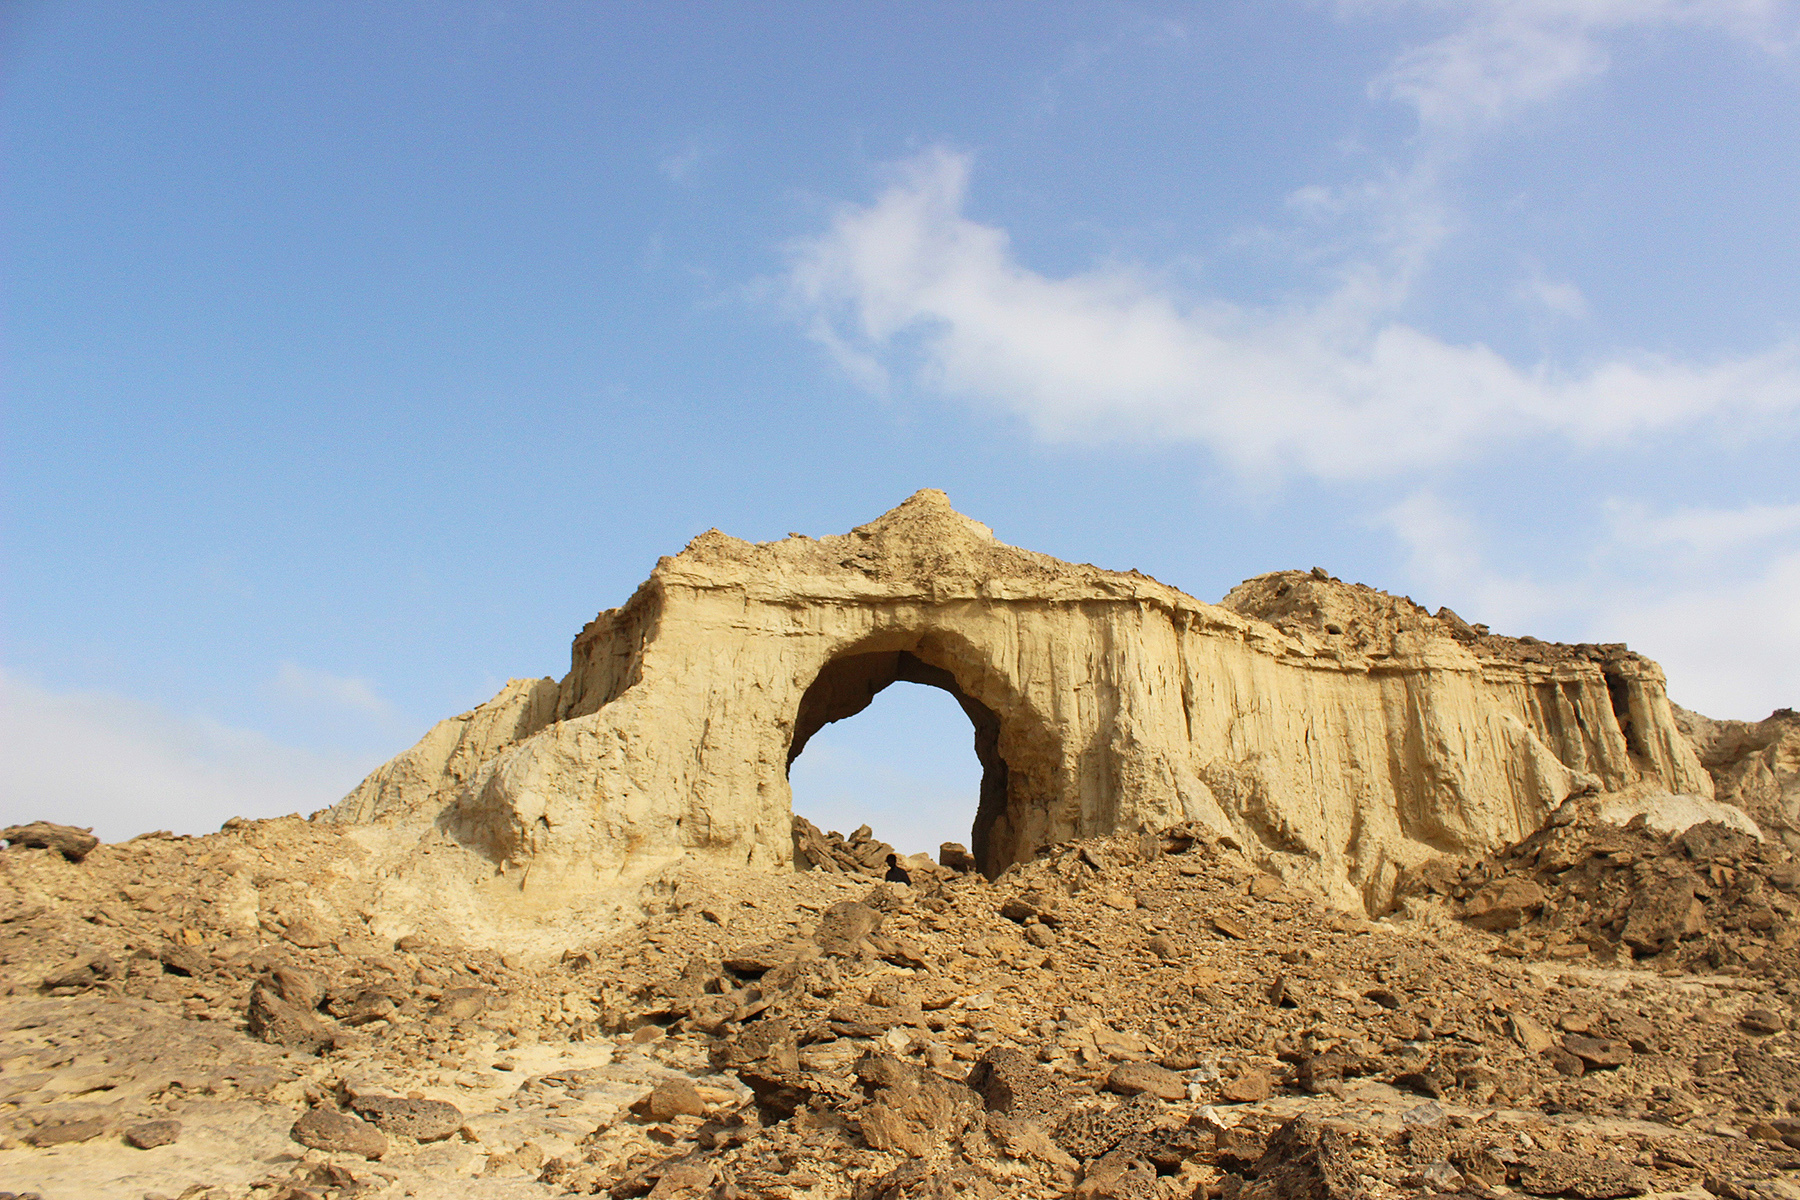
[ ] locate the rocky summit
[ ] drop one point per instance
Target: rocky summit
(1311, 894)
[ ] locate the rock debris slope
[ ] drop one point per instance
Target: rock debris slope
(1340, 734)
(1599, 1011)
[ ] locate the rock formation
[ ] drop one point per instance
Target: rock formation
(1340, 733)
(1754, 765)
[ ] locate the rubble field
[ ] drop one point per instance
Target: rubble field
(1599, 1011)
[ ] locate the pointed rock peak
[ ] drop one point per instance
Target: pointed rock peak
(925, 514)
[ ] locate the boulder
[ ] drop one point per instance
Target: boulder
(1009, 1082)
(844, 926)
(671, 1098)
(72, 843)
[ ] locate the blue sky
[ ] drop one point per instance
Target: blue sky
(355, 355)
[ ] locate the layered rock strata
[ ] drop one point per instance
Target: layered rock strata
(1339, 733)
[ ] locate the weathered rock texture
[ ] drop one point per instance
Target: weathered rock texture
(1754, 765)
(1339, 732)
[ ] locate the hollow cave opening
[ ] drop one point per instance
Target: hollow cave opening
(898, 776)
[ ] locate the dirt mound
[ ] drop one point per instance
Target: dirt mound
(1366, 620)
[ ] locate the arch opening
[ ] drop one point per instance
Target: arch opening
(847, 685)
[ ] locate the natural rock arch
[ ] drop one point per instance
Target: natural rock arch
(1337, 732)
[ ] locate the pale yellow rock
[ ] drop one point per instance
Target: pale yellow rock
(1353, 736)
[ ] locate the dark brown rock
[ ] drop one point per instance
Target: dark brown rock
(671, 1098)
(302, 988)
(1761, 1021)
(184, 960)
(956, 857)
(150, 1134)
(1662, 914)
(1305, 1160)
(1504, 904)
(1120, 1175)
(1250, 1087)
(911, 1110)
(330, 1130)
(1009, 1082)
(1597, 1054)
(844, 925)
(89, 972)
(420, 1120)
(280, 1023)
(1092, 1132)
(1583, 1176)
(66, 1133)
(72, 843)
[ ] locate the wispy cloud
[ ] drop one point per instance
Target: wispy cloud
(1508, 55)
(1706, 530)
(679, 165)
(1335, 389)
(1708, 593)
(311, 686)
(102, 760)
(1555, 296)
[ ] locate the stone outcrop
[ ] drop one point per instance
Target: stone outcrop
(1339, 733)
(1754, 765)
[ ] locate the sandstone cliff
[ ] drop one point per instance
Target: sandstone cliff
(1340, 733)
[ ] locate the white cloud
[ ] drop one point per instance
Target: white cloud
(1730, 646)
(310, 686)
(1447, 559)
(1706, 530)
(1507, 55)
(1727, 633)
(1331, 388)
(126, 767)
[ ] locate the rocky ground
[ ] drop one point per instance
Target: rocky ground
(1600, 1011)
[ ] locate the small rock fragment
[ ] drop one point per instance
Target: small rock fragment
(1251, 1086)
(150, 1134)
(1130, 1079)
(1597, 1054)
(1504, 904)
(328, 1129)
(1761, 1021)
(66, 1133)
(671, 1098)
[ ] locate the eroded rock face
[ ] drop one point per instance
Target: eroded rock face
(1339, 732)
(1754, 765)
